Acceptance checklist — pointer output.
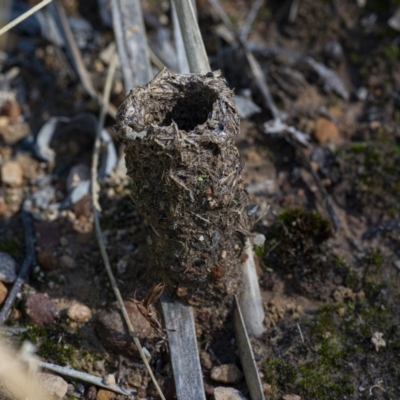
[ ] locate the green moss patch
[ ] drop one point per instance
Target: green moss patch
(296, 247)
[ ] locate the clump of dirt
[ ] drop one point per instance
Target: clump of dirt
(187, 181)
(296, 247)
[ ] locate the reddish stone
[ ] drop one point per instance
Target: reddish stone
(11, 110)
(326, 131)
(46, 259)
(113, 332)
(3, 293)
(83, 208)
(218, 272)
(40, 309)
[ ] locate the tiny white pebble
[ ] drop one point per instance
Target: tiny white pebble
(201, 238)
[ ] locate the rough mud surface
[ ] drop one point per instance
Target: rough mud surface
(331, 298)
(187, 182)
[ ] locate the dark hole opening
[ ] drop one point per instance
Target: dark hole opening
(191, 108)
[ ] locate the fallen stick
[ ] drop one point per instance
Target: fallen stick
(84, 377)
(255, 67)
(244, 33)
(75, 55)
(24, 16)
(194, 46)
(131, 41)
(183, 65)
(183, 345)
(246, 355)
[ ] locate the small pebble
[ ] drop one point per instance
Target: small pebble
(11, 109)
(326, 131)
(362, 93)
(63, 241)
(266, 388)
(99, 366)
(91, 393)
(227, 393)
(83, 208)
(53, 384)
(141, 392)
(46, 259)
(8, 268)
(40, 309)
(226, 373)
(43, 197)
(109, 380)
(341, 311)
(12, 174)
(251, 209)
(378, 341)
(66, 261)
(78, 173)
(114, 334)
(259, 240)
(103, 394)
(181, 291)
(333, 51)
(3, 206)
(205, 359)
(79, 313)
(291, 397)
(3, 293)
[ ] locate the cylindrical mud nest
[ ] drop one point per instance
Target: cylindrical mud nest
(187, 182)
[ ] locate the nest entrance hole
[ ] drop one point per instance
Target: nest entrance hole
(189, 106)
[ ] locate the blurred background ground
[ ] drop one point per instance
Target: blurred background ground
(330, 298)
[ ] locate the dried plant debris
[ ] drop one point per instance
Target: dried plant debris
(187, 181)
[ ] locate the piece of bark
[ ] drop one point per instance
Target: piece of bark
(131, 42)
(247, 357)
(179, 322)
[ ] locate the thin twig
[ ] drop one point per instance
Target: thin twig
(250, 19)
(99, 235)
(24, 16)
(84, 377)
(255, 67)
(75, 55)
(246, 354)
(293, 10)
(155, 60)
(301, 333)
(23, 273)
